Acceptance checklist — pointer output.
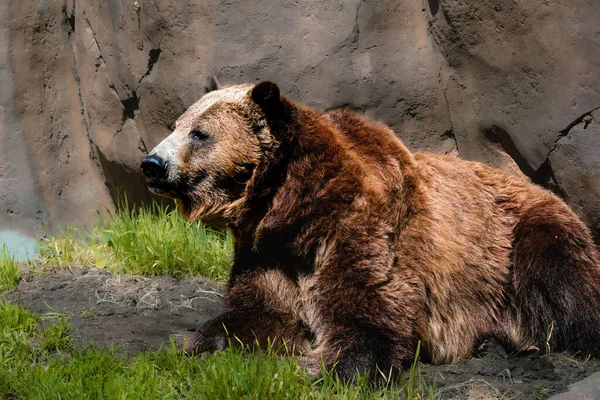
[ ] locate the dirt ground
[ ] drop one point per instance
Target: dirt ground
(137, 312)
(130, 312)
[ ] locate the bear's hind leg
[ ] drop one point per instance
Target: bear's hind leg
(556, 279)
(361, 328)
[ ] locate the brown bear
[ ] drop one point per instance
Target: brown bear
(353, 250)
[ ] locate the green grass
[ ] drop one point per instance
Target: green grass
(10, 272)
(150, 241)
(40, 362)
(38, 359)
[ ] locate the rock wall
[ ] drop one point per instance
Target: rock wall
(88, 87)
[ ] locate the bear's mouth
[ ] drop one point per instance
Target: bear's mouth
(161, 187)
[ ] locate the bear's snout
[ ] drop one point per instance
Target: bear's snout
(155, 167)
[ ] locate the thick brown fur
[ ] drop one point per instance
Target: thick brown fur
(354, 249)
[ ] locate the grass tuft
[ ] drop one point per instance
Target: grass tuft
(150, 241)
(156, 241)
(415, 387)
(72, 248)
(10, 272)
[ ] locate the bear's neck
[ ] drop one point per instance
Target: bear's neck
(330, 162)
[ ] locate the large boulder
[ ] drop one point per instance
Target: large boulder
(88, 87)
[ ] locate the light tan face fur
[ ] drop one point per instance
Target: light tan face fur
(211, 153)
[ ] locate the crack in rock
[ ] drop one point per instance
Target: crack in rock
(138, 9)
(544, 175)
(131, 104)
(89, 25)
(584, 118)
(153, 56)
(70, 19)
(444, 87)
(356, 30)
(351, 41)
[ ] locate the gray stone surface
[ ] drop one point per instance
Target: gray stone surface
(575, 161)
(87, 87)
(48, 174)
(586, 389)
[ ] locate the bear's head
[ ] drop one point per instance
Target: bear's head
(208, 160)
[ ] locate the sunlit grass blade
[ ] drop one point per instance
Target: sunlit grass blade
(10, 271)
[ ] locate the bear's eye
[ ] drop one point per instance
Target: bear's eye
(198, 135)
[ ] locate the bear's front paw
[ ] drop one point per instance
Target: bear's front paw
(311, 361)
(206, 341)
(346, 366)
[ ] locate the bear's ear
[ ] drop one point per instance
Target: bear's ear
(209, 83)
(266, 94)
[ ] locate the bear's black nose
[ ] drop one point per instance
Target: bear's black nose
(154, 167)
